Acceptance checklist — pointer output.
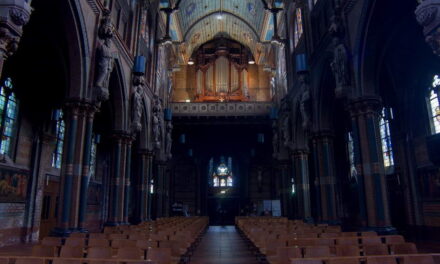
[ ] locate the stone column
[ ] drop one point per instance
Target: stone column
(115, 182)
(286, 188)
(365, 116)
(67, 173)
(142, 186)
(127, 185)
(301, 174)
(14, 14)
(85, 175)
(150, 158)
(325, 172)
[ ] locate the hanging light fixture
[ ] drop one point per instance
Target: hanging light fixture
(220, 16)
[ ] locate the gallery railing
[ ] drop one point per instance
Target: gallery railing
(222, 109)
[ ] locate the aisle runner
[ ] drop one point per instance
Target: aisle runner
(222, 245)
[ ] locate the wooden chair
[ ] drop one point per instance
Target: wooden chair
(394, 239)
(347, 251)
(330, 235)
(159, 255)
(145, 244)
(71, 252)
(130, 253)
(97, 235)
(306, 261)
(349, 234)
(371, 240)
(317, 251)
(347, 241)
(117, 236)
(75, 242)
(423, 259)
(284, 254)
(325, 242)
(98, 242)
(80, 235)
(4, 260)
(372, 250)
(405, 248)
(99, 253)
(381, 260)
(119, 243)
(29, 261)
(343, 261)
(52, 241)
(44, 251)
(369, 233)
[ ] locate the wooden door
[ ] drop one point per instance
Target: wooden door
(49, 209)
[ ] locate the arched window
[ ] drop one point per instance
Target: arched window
(216, 181)
(93, 150)
(434, 108)
(298, 26)
(60, 127)
(387, 147)
(222, 176)
(8, 117)
(152, 186)
(292, 180)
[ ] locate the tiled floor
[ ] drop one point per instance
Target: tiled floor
(222, 245)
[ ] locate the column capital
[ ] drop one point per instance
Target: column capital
(299, 153)
(325, 133)
(365, 105)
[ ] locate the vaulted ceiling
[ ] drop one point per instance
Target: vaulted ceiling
(199, 21)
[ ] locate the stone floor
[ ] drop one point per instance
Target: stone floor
(222, 244)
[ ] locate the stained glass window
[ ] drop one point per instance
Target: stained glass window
(229, 182)
(144, 25)
(57, 155)
(434, 107)
(350, 148)
(298, 26)
(387, 147)
(216, 181)
(222, 176)
(293, 185)
(8, 116)
(152, 186)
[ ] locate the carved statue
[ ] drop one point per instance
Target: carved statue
(340, 64)
(169, 139)
(138, 82)
(157, 121)
(285, 131)
(272, 86)
(428, 16)
(304, 101)
(105, 59)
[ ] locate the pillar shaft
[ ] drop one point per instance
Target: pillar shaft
(325, 172)
(301, 172)
(365, 114)
(127, 191)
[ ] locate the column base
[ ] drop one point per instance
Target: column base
(386, 230)
(60, 232)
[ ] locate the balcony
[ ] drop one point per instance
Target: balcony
(224, 109)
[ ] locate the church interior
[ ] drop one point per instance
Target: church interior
(220, 131)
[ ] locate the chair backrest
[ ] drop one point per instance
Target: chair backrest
(130, 253)
(349, 234)
(71, 252)
(343, 261)
(284, 254)
(159, 255)
(98, 242)
(301, 242)
(330, 235)
(369, 233)
(324, 242)
(405, 248)
(80, 235)
(423, 259)
(52, 241)
(97, 235)
(119, 243)
(117, 236)
(394, 239)
(145, 244)
(4, 260)
(317, 251)
(347, 251)
(371, 240)
(75, 242)
(347, 241)
(29, 261)
(306, 261)
(99, 252)
(380, 249)
(44, 251)
(64, 261)
(381, 260)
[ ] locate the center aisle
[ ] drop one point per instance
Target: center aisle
(222, 245)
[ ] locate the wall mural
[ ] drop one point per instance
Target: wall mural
(13, 186)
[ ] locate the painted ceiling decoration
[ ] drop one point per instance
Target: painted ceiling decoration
(199, 21)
